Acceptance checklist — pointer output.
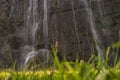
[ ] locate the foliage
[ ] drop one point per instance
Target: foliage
(65, 70)
(78, 70)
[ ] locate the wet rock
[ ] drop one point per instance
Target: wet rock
(15, 35)
(108, 21)
(15, 42)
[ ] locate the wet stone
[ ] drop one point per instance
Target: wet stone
(15, 36)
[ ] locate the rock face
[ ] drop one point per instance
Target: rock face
(62, 24)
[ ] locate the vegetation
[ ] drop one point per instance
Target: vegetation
(94, 69)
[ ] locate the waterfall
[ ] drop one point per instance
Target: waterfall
(13, 12)
(32, 19)
(35, 20)
(75, 23)
(45, 23)
(90, 20)
(32, 24)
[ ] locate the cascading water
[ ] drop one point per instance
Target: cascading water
(32, 19)
(13, 11)
(45, 23)
(13, 8)
(32, 24)
(100, 3)
(75, 23)
(90, 20)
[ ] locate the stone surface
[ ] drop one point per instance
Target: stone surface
(15, 35)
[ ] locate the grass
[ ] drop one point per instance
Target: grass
(78, 70)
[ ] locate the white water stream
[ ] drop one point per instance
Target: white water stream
(32, 23)
(90, 18)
